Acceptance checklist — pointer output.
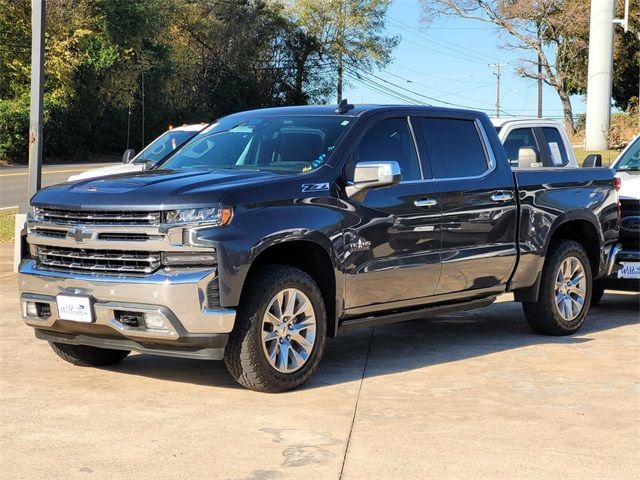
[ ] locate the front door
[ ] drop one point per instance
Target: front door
(392, 255)
(479, 209)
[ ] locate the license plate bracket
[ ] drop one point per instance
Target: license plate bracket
(75, 308)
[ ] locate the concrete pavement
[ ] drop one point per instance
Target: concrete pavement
(13, 180)
(472, 395)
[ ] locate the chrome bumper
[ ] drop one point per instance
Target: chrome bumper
(178, 298)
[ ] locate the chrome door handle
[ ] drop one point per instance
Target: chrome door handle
(426, 202)
(502, 197)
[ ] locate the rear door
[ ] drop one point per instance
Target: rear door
(478, 204)
(393, 254)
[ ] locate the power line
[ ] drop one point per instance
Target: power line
(459, 49)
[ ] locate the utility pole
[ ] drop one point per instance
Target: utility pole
(37, 92)
(599, 74)
(539, 87)
(340, 42)
(497, 72)
(142, 146)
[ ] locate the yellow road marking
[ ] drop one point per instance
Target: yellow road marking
(44, 173)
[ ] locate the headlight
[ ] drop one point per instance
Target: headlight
(211, 215)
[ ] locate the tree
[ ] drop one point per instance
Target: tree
(350, 34)
(543, 28)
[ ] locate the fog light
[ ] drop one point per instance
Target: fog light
(153, 321)
(32, 309)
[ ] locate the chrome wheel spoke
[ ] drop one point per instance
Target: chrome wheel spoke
(269, 336)
(302, 341)
(298, 357)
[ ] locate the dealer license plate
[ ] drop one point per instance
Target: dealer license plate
(629, 270)
(72, 307)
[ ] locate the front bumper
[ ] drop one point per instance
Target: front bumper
(179, 298)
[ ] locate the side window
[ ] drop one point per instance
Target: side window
(389, 140)
(454, 147)
(518, 138)
(556, 145)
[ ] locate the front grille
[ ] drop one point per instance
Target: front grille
(50, 233)
(102, 261)
(97, 217)
(629, 207)
(629, 235)
(124, 237)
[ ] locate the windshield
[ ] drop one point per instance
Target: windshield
(164, 145)
(287, 144)
(630, 159)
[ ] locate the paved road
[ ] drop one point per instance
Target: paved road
(473, 395)
(13, 180)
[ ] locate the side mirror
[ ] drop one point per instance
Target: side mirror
(592, 160)
(369, 175)
(527, 157)
(128, 155)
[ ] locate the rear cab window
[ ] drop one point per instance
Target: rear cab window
(454, 147)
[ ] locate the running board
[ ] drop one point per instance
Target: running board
(372, 321)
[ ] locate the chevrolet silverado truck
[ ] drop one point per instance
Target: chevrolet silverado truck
(283, 227)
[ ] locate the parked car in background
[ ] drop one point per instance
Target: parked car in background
(625, 274)
(278, 228)
(157, 150)
(534, 142)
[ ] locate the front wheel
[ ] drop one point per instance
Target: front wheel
(280, 331)
(565, 290)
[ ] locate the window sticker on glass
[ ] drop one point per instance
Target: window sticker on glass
(556, 156)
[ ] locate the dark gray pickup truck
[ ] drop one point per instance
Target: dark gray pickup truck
(278, 228)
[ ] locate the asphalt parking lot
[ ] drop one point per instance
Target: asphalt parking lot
(473, 395)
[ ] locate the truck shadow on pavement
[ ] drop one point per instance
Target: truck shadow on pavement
(405, 346)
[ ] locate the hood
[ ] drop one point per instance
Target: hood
(150, 190)
(630, 188)
(110, 170)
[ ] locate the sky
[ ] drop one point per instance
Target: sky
(448, 61)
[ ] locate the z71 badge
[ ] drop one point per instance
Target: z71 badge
(315, 187)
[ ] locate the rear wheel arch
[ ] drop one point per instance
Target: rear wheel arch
(579, 227)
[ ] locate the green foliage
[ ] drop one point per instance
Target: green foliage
(199, 60)
(14, 128)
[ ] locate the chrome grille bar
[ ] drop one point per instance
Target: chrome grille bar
(97, 217)
(107, 261)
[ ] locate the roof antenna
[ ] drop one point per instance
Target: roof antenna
(344, 106)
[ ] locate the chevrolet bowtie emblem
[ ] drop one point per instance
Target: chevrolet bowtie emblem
(79, 234)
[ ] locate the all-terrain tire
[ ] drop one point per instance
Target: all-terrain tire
(244, 356)
(544, 315)
(85, 356)
(596, 295)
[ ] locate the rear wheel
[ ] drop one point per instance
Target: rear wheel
(280, 331)
(565, 291)
(85, 356)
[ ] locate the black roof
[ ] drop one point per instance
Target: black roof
(357, 110)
